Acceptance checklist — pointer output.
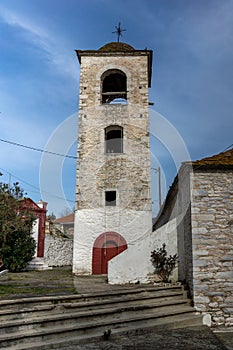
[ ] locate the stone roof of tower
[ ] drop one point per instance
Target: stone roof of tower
(116, 47)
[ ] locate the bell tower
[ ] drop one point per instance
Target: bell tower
(113, 184)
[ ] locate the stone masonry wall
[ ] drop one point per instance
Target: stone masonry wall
(212, 238)
(127, 173)
(58, 250)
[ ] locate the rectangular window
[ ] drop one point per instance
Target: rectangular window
(110, 198)
(114, 139)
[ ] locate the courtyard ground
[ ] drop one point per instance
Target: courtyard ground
(37, 283)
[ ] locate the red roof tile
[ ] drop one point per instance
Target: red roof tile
(65, 219)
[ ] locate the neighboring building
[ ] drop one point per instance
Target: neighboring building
(201, 199)
(113, 192)
(65, 224)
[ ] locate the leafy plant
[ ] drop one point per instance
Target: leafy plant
(163, 264)
(17, 245)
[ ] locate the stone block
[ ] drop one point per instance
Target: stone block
(213, 305)
(207, 320)
(228, 275)
(229, 321)
(198, 262)
(201, 300)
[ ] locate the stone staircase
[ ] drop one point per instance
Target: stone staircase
(38, 264)
(36, 323)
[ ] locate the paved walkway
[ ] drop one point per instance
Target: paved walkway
(195, 338)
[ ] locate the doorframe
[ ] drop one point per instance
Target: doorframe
(98, 247)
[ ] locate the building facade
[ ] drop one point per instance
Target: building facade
(113, 186)
(201, 199)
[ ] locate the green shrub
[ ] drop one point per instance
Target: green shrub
(163, 264)
(18, 250)
(17, 246)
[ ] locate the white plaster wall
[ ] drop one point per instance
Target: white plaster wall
(134, 264)
(35, 229)
(90, 223)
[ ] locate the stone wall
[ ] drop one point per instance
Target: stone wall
(212, 239)
(202, 202)
(58, 251)
(126, 173)
(121, 269)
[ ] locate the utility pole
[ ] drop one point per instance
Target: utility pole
(158, 171)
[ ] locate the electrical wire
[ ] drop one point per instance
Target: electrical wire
(38, 149)
(228, 147)
(35, 187)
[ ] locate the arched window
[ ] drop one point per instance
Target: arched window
(114, 86)
(114, 139)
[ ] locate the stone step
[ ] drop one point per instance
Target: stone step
(174, 322)
(18, 304)
(105, 312)
(24, 338)
(126, 299)
(38, 264)
(30, 322)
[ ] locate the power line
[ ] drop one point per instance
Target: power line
(38, 149)
(36, 188)
(228, 147)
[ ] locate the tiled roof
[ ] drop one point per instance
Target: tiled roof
(221, 159)
(65, 219)
(116, 47)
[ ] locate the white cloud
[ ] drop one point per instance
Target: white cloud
(44, 40)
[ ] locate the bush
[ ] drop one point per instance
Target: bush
(17, 246)
(163, 264)
(18, 250)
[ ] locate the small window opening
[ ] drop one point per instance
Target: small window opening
(114, 139)
(110, 198)
(114, 87)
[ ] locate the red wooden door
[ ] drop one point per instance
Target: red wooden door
(108, 251)
(106, 246)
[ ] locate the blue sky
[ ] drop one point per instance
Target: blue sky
(192, 85)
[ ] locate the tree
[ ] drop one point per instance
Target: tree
(17, 246)
(66, 211)
(51, 217)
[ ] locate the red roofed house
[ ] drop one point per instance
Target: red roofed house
(65, 224)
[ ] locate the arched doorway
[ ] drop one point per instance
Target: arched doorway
(106, 246)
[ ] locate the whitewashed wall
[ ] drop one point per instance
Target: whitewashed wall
(132, 225)
(35, 230)
(134, 264)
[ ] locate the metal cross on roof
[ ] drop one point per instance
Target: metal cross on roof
(119, 31)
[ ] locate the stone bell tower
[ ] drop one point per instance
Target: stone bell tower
(113, 190)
